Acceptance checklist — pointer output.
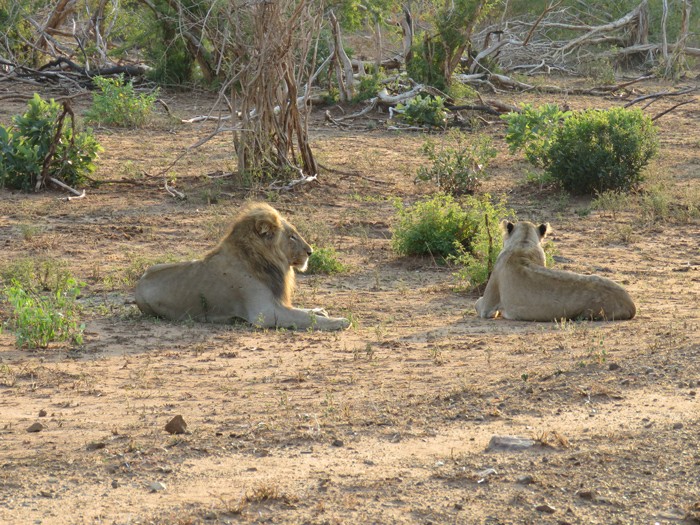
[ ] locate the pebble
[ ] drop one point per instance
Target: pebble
(337, 443)
(527, 479)
(42, 413)
(546, 508)
(586, 494)
(677, 426)
(35, 427)
(115, 484)
(176, 425)
(613, 366)
(157, 486)
(509, 443)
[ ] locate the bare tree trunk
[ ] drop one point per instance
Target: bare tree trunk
(664, 39)
(346, 81)
(407, 29)
(272, 41)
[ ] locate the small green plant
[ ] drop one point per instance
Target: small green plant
(34, 145)
(369, 87)
(476, 260)
(424, 111)
(532, 130)
(118, 104)
(611, 201)
(596, 151)
(38, 319)
(458, 162)
(443, 227)
(325, 261)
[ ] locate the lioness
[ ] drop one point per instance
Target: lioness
(249, 275)
(522, 288)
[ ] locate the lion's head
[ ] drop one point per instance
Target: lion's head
(269, 245)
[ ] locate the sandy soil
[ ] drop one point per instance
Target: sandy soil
(388, 422)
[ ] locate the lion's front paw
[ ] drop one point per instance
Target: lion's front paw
(319, 311)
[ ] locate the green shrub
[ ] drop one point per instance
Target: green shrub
(25, 146)
(325, 261)
(596, 151)
(118, 104)
(532, 130)
(458, 162)
(442, 227)
(424, 111)
(369, 87)
(476, 261)
(38, 319)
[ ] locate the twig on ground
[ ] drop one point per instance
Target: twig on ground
(172, 191)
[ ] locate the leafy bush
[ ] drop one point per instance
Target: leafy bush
(369, 87)
(25, 146)
(532, 130)
(325, 261)
(458, 162)
(39, 319)
(429, 111)
(118, 104)
(595, 151)
(442, 226)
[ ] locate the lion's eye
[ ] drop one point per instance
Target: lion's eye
(293, 237)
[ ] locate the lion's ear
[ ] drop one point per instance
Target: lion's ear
(544, 229)
(266, 228)
(507, 226)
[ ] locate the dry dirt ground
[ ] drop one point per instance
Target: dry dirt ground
(388, 422)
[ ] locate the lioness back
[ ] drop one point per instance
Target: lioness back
(522, 288)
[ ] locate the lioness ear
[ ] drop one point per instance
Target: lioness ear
(507, 226)
(544, 229)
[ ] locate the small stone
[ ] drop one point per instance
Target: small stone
(176, 425)
(95, 445)
(613, 366)
(677, 426)
(36, 427)
(115, 484)
(157, 486)
(548, 509)
(586, 494)
(337, 443)
(486, 472)
(509, 443)
(42, 413)
(527, 479)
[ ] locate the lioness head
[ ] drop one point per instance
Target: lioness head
(523, 233)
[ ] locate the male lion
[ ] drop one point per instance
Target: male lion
(249, 275)
(522, 288)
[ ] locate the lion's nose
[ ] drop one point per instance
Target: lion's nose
(309, 251)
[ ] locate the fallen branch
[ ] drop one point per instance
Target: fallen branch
(661, 94)
(79, 194)
(671, 109)
(305, 179)
(351, 174)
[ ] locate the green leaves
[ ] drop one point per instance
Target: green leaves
(24, 147)
(587, 151)
(38, 319)
(118, 104)
(596, 151)
(458, 162)
(424, 111)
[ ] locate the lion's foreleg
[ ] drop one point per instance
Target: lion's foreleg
(488, 305)
(299, 319)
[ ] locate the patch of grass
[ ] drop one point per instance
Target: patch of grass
(117, 103)
(39, 319)
(37, 274)
(458, 161)
(325, 261)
